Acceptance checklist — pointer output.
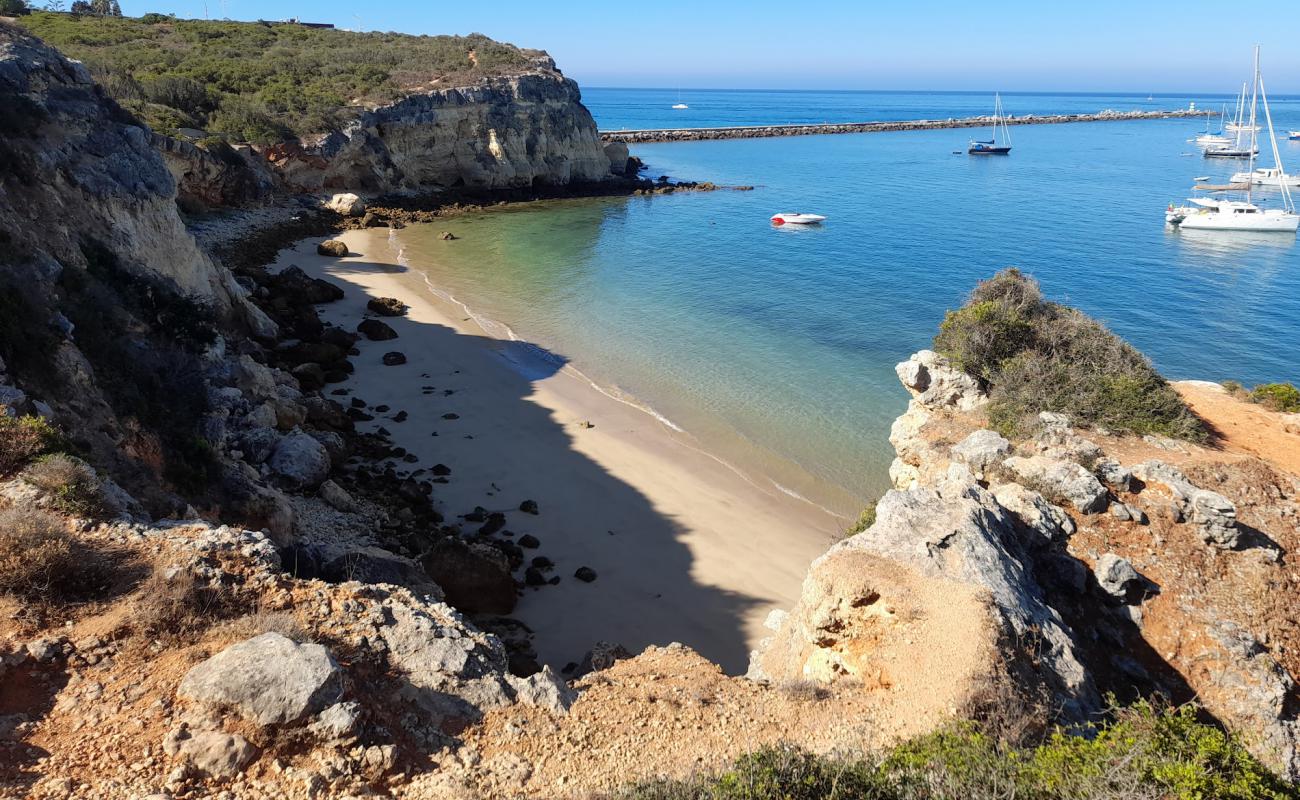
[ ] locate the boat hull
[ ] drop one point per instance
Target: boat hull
(1266, 222)
(988, 151)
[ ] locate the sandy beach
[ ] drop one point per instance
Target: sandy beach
(685, 547)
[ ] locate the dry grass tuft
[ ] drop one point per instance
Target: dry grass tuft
(70, 484)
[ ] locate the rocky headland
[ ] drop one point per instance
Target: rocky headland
(225, 572)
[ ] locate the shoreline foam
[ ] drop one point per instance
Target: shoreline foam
(686, 547)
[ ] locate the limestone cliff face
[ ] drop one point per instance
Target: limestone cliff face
(77, 173)
(111, 312)
(525, 130)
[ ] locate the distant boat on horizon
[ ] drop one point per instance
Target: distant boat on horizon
(991, 147)
(679, 104)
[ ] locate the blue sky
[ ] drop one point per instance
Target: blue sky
(1138, 46)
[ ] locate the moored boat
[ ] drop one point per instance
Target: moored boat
(1267, 176)
(795, 218)
(993, 146)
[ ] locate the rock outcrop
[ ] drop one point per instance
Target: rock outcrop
(1010, 537)
(507, 132)
(268, 680)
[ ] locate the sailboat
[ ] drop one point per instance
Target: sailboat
(679, 105)
(1234, 215)
(1239, 122)
(991, 147)
(1216, 138)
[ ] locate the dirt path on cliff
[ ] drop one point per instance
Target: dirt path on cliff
(1245, 427)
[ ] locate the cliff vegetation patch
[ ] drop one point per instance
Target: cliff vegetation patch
(1036, 355)
(263, 82)
(1145, 753)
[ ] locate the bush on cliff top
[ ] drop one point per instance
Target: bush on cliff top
(1035, 355)
(262, 81)
(1144, 754)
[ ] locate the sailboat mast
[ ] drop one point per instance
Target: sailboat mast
(1287, 204)
(1254, 99)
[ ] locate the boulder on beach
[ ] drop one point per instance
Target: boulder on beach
(347, 204)
(394, 358)
(332, 247)
(475, 577)
(386, 306)
(376, 331)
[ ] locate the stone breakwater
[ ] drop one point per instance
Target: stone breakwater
(765, 131)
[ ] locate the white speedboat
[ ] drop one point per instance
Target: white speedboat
(1266, 176)
(680, 106)
(787, 218)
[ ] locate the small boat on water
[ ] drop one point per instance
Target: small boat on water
(992, 147)
(789, 218)
(1294, 135)
(680, 105)
(1266, 176)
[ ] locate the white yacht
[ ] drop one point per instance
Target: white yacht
(1213, 214)
(1266, 176)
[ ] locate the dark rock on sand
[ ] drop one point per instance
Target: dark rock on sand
(542, 562)
(373, 565)
(386, 306)
(585, 574)
(529, 541)
(528, 507)
(475, 577)
(310, 376)
(534, 577)
(400, 416)
(441, 469)
(479, 514)
(300, 286)
(451, 416)
(332, 247)
(495, 522)
(394, 359)
(376, 331)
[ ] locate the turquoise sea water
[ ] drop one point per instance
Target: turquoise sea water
(775, 346)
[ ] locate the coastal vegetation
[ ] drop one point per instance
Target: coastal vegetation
(1145, 752)
(1036, 355)
(1273, 396)
(262, 82)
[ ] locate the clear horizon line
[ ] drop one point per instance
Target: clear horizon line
(1026, 92)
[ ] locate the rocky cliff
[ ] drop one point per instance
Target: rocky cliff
(525, 130)
(522, 131)
(1094, 564)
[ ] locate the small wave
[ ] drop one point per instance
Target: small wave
(786, 490)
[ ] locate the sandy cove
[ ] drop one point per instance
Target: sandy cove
(684, 547)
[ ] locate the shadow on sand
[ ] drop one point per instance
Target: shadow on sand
(504, 448)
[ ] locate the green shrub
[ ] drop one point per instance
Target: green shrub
(865, 520)
(1035, 355)
(23, 439)
(13, 8)
(1277, 396)
(70, 484)
(1144, 753)
(263, 80)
